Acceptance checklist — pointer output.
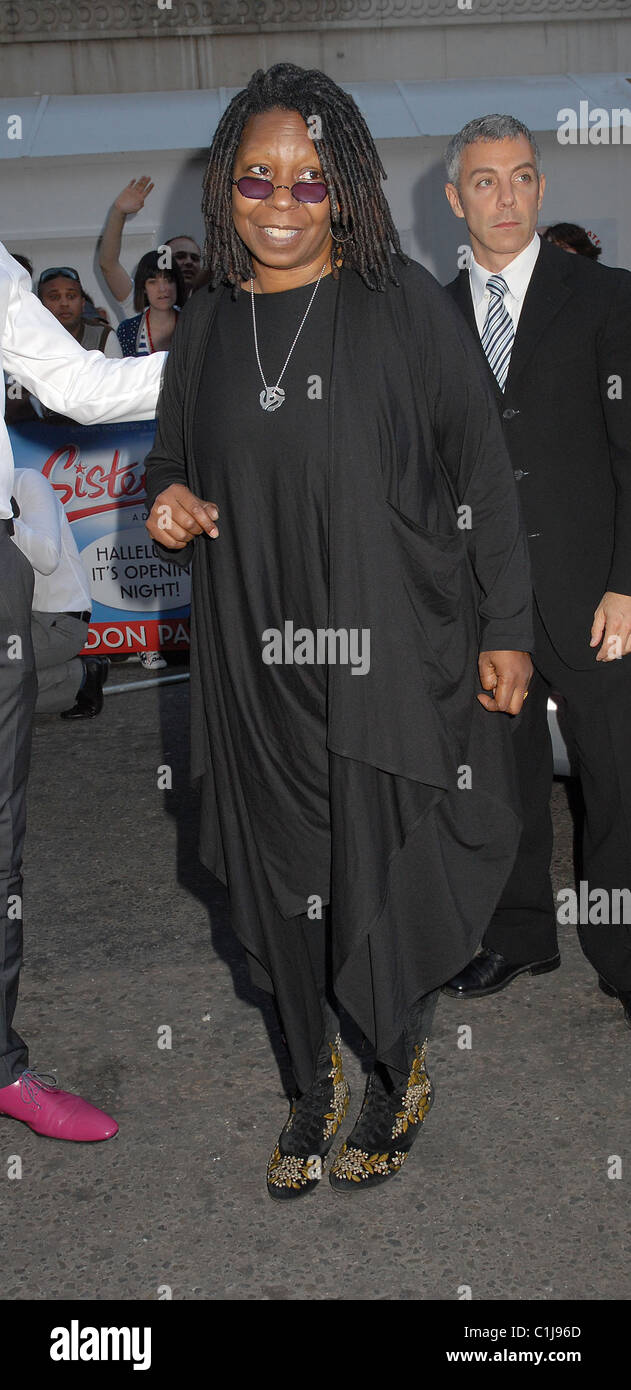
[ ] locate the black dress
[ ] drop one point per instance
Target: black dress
(267, 472)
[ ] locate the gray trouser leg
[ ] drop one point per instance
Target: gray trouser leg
(18, 690)
(56, 640)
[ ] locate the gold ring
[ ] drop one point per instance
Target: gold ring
(526, 693)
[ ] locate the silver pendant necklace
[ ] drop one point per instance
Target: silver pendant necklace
(271, 397)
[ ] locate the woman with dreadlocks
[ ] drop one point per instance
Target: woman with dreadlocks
(358, 575)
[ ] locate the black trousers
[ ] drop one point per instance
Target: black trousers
(598, 711)
(301, 979)
(18, 692)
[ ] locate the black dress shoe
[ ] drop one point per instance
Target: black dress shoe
(624, 995)
(90, 697)
(489, 972)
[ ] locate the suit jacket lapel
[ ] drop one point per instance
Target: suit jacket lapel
(462, 296)
(546, 294)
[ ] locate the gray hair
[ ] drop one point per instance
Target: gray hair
(486, 128)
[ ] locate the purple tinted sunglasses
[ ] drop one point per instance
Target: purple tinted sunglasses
(263, 188)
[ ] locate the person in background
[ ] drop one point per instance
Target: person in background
(35, 351)
(554, 334)
(61, 292)
(68, 684)
(570, 237)
(158, 295)
(92, 312)
(184, 249)
(95, 313)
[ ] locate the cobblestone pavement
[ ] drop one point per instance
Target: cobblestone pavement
(507, 1192)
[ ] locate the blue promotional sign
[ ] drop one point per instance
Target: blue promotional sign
(139, 601)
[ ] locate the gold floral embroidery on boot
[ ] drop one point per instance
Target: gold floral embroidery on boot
(340, 1098)
(341, 1093)
(287, 1170)
(355, 1165)
(358, 1164)
(416, 1100)
(294, 1173)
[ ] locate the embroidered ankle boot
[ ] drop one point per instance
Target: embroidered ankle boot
(295, 1167)
(388, 1123)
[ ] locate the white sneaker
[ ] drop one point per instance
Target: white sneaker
(152, 661)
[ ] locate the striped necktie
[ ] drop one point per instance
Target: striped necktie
(499, 332)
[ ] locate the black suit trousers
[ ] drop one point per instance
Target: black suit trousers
(18, 692)
(597, 710)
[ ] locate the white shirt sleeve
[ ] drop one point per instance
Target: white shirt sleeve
(38, 529)
(40, 353)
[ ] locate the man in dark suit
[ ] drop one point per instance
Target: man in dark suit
(555, 332)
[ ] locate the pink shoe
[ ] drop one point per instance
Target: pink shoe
(58, 1114)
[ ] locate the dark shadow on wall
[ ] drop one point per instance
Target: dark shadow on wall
(182, 210)
(439, 235)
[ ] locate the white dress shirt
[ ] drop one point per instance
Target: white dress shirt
(517, 276)
(44, 535)
(38, 351)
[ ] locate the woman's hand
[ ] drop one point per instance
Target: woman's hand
(132, 198)
(177, 515)
(507, 675)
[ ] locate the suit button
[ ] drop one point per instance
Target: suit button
(532, 535)
(509, 413)
(518, 474)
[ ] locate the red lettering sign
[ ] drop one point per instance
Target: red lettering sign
(121, 484)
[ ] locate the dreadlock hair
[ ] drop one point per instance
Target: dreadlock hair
(351, 169)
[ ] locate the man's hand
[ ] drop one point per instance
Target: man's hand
(178, 515)
(132, 197)
(612, 626)
(507, 675)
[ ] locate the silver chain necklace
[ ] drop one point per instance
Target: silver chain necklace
(271, 397)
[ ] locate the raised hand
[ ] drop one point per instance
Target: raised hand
(132, 197)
